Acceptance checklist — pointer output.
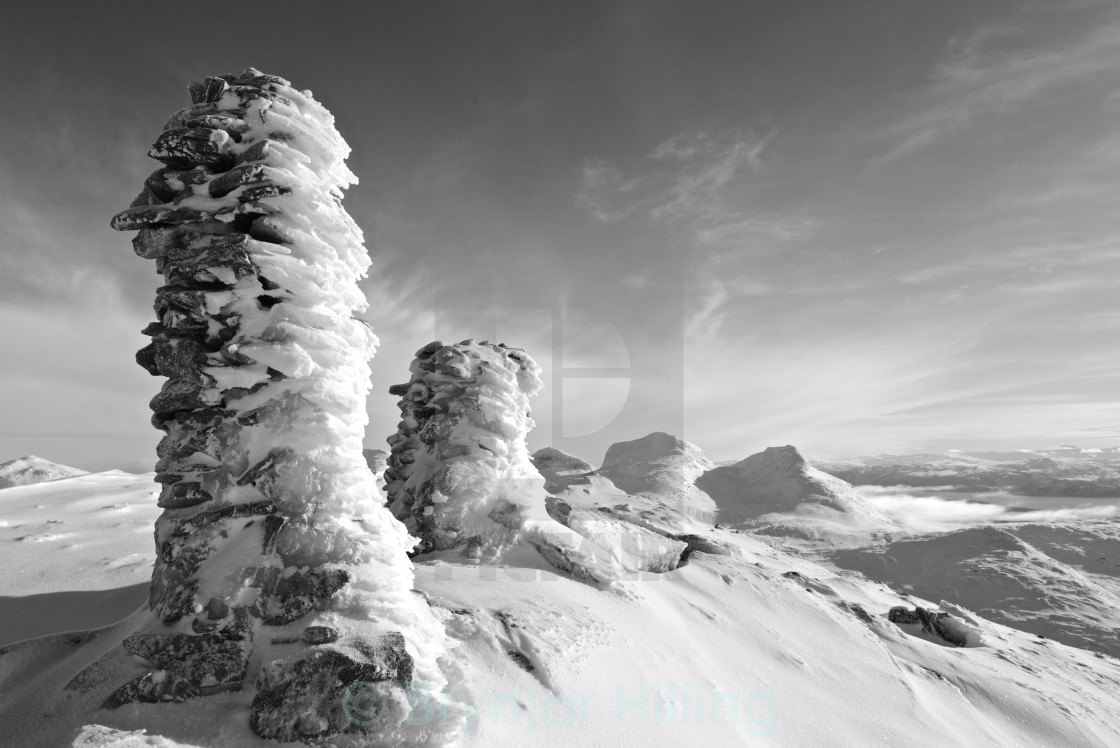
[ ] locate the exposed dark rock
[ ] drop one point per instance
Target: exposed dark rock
(182, 495)
(178, 394)
(284, 599)
(187, 666)
(899, 614)
(207, 258)
(320, 634)
(564, 560)
(937, 623)
(210, 89)
(522, 661)
(239, 176)
(700, 544)
(557, 509)
(193, 146)
(308, 695)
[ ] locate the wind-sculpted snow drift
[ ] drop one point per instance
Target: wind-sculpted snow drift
(271, 550)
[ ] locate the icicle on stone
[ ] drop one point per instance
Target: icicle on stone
(270, 526)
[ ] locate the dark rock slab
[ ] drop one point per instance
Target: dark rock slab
(285, 599)
(178, 394)
(187, 665)
(194, 146)
(320, 634)
(309, 695)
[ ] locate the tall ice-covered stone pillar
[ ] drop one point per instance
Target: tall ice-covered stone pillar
(278, 571)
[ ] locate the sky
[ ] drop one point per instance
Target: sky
(860, 227)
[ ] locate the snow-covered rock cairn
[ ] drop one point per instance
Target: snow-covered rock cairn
(278, 572)
(460, 476)
(459, 473)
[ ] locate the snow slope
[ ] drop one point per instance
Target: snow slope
(754, 647)
(1058, 581)
(25, 471)
(76, 552)
(743, 643)
(91, 532)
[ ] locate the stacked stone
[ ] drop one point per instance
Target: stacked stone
(459, 473)
(269, 520)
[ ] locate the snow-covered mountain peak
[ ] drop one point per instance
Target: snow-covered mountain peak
(781, 480)
(778, 459)
(662, 465)
(652, 447)
(25, 471)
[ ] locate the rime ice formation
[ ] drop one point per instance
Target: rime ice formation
(459, 472)
(270, 523)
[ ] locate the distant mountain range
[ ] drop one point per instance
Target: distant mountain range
(1065, 471)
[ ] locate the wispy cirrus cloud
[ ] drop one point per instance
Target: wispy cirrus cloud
(682, 178)
(696, 185)
(1001, 68)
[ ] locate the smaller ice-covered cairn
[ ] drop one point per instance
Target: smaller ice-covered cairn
(460, 473)
(272, 547)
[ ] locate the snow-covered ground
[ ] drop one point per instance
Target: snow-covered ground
(749, 641)
(77, 552)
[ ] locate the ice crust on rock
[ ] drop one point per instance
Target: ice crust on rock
(271, 517)
(460, 475)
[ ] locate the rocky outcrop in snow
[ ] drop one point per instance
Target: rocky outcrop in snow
(28, 470)
(270, 522)
(459, 473)
(934, 622)
(559, 468)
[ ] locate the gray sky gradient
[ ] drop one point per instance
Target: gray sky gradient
(855, 227)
